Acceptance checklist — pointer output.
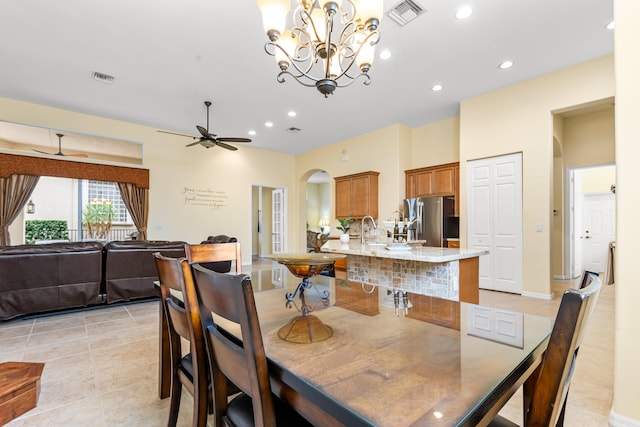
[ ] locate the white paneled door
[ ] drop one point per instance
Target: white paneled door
(277, 220)
(599, 228)
(494, 201)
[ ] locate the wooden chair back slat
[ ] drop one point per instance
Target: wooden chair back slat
(215, 253)
(178, 319)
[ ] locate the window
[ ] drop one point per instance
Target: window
(102, 190)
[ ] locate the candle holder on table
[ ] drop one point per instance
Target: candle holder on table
(306, 328)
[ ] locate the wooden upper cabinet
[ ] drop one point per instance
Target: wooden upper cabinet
(357, 195)
(424, 183)
(441, 180)
(442, 184)
(456, 190)
(343, 198)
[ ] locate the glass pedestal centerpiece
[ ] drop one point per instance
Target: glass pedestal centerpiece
(306, 328)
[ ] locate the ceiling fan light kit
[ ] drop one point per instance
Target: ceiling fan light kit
(330, 45)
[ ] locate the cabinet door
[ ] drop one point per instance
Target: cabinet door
(410, 185)
(360, 196)
(424, 183)
(343, 198)
(456, 190)
(442, 182)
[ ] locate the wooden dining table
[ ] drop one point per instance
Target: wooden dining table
(435, 362)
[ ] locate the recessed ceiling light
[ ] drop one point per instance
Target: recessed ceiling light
(437, 88)
(291, 114)
(506, 64)
(611, 25)
(269, 124)
(385, 54)
(464, 12)
(252, 132)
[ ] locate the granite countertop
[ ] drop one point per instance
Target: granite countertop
(416, 253)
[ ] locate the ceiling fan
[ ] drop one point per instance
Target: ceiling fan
(60, 153)
(208, 140)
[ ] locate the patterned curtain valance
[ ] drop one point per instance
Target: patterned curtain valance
(11, 164)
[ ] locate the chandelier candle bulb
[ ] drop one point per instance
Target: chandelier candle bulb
(327, 47)
(274, 15)
(287, 46)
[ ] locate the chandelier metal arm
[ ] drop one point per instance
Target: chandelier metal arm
(339, 84)
(294, 61)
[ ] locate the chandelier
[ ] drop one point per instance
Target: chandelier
(330, 45)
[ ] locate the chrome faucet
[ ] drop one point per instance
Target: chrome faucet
(373, 221)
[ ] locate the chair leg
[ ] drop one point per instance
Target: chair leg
(560, 422)
(174, 408)
(200, 406)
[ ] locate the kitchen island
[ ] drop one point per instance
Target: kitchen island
(448, 273)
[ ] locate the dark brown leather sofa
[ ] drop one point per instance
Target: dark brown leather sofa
(54, 276)
(130, 270)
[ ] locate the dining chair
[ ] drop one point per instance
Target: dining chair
(215, 256)
(545, 393)
(242, 363)
(191, 370)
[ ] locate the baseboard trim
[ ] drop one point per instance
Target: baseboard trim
(547, 297)
(617, 420)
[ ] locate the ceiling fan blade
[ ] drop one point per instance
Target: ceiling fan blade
(79, 155)
(194, 143)
(227, 146)
(205, 133)
(175, 133)
(42, 152)
(232, 139)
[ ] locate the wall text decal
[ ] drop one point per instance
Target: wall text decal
(213, 199)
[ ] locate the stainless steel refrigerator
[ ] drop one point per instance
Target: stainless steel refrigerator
(431, 220)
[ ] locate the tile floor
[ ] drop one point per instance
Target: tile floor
(101, 364)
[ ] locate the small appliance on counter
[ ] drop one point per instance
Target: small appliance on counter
(431, 219)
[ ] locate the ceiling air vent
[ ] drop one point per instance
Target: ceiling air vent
(105, 78)
(405, 12)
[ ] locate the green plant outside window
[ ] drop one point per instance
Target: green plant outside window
(38, 229)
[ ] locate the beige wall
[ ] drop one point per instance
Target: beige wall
(557, 220)
(436, 143)
(174, 168)
(519, 119)
(627, 345)
(598, 179)
(589, 138)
